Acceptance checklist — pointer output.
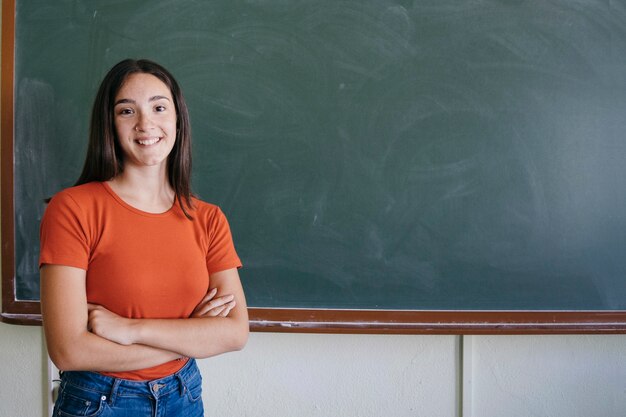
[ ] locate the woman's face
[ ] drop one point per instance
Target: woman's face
(145, 120)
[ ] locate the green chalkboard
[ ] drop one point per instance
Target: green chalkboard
(369, 154)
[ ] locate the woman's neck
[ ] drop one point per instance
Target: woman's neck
(146, 191)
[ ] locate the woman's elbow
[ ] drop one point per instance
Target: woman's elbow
(232, 337)
(64, 359)
(67, 352)
(241, 339)
(238, 337)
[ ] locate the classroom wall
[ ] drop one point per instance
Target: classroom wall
(286, 375)
(282, 375)
(335, 375)
(22, 375)
(548, 376)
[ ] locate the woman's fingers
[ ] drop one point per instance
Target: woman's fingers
(212, 307)
(209, 296)
(202, 304)
(223, 310)
(229, 307)
(216, 307)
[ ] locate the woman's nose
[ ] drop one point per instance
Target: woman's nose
(144, 123)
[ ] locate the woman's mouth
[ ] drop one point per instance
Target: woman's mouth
(147, 141)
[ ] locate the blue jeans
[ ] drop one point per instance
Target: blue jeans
(91, 394)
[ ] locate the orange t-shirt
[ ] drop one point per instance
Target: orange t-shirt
(139, 264)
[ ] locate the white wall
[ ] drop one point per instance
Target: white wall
(22, 375)
(568, 376)
(335, 375)
(286, 375)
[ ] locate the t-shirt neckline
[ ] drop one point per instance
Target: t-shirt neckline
(124, 204)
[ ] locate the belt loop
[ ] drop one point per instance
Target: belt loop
(182, 385)
(114, 388)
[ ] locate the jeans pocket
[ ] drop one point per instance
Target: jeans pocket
(77, 402)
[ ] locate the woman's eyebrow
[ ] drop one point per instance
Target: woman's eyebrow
(124, 101)
(131, 101)
(154, 98)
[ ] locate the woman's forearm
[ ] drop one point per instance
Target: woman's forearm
(194, 337)
(89, 352)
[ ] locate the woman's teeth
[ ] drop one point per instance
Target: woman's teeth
(150, 141)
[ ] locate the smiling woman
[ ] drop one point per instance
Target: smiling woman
(138, 277)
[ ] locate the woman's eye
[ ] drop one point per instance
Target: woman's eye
(126, 111)
(160, 108)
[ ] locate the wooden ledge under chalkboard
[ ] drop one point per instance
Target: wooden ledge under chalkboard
(436, 322)
(416, 322)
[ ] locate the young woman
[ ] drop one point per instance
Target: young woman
(138, 277)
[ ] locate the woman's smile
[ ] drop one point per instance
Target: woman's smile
(148, 141)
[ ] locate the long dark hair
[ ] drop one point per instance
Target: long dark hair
(105, 158)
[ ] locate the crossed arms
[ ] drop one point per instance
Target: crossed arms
(81, 336)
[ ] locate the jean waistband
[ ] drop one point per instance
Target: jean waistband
(113, 387)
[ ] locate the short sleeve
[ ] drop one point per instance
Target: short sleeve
(221, 254)
(63, 235)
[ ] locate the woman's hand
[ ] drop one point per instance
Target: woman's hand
(109, 325)
(210, 306)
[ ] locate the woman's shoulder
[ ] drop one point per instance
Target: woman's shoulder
(80, 193)
(74, 202)
(82, 197)
(208, 213)
(203, 208)
(210, 217)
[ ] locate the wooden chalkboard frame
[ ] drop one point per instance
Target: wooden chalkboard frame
(286, 319)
